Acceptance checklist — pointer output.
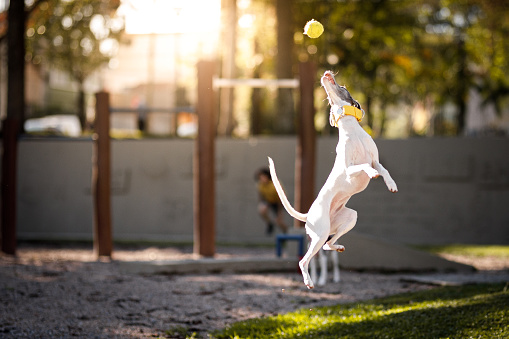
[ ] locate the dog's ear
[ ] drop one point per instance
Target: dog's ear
(355, 103)
(349, 98)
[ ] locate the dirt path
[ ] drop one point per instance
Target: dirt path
(49, 292)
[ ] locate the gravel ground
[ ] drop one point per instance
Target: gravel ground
(50, 291)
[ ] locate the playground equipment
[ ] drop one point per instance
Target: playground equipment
(204, 155)
(204, 175)
(101, 177)
(204, 165)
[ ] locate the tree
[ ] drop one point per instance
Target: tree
(367, 42)
(229, 32)
(410, 51)
(256, 57)
(285, 115)
(77, 37)
(11, 126)
(488, 49)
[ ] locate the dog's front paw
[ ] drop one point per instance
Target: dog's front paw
(372, 173)
(340, 248)
(337, 248)
(391, 185)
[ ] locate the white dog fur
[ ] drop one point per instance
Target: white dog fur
(322, 260)
(355, 164)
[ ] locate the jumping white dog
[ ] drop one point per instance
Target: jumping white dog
(356, 163)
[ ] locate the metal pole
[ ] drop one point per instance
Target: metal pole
(101, 177)
(204, 173)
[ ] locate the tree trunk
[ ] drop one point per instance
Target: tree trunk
(16, 62)
(13, 124)
(256, 99)
(256, 107)
(369, 114)
(82, 113)
(383, 120)
(285, 112)
(461, 95)
(226, 119)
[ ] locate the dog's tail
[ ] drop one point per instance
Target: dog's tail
(297, 215)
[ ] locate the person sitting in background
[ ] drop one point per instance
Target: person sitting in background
(268, 199)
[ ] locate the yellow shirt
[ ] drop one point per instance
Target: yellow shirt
(268, 192)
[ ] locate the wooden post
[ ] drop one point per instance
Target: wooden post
(10, 128)
(204, 154)
(306, 153)
(101, 177)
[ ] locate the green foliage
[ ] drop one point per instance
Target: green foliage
(77, 37)
(480, 311)
(180, 332)
(391, 52)
(372, 46)
(499, 251)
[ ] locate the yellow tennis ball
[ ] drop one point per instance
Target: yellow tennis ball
(313, 29)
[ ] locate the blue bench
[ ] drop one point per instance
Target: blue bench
(281, 238)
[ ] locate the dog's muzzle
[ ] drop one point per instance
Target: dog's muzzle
(337, 113)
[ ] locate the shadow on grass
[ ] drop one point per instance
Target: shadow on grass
(452, 312)
(271, 327)
(445, 293)
(480, 319)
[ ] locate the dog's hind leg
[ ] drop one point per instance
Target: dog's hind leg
(312, 267)
(320, 259)
(342, 222)
(315, 244)
(335, 267)
(323, 268)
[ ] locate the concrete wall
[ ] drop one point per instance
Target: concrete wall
(450, 190)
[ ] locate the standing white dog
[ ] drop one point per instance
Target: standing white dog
(356, 163)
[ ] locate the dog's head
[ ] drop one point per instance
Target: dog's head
(338, 96)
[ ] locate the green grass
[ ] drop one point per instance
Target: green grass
(474, 311)
(477, 251)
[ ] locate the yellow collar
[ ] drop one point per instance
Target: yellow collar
(347, 110)
(353, 111)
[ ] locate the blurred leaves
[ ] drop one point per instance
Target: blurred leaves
(75, 36)
(388, 53)
(412, 51)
